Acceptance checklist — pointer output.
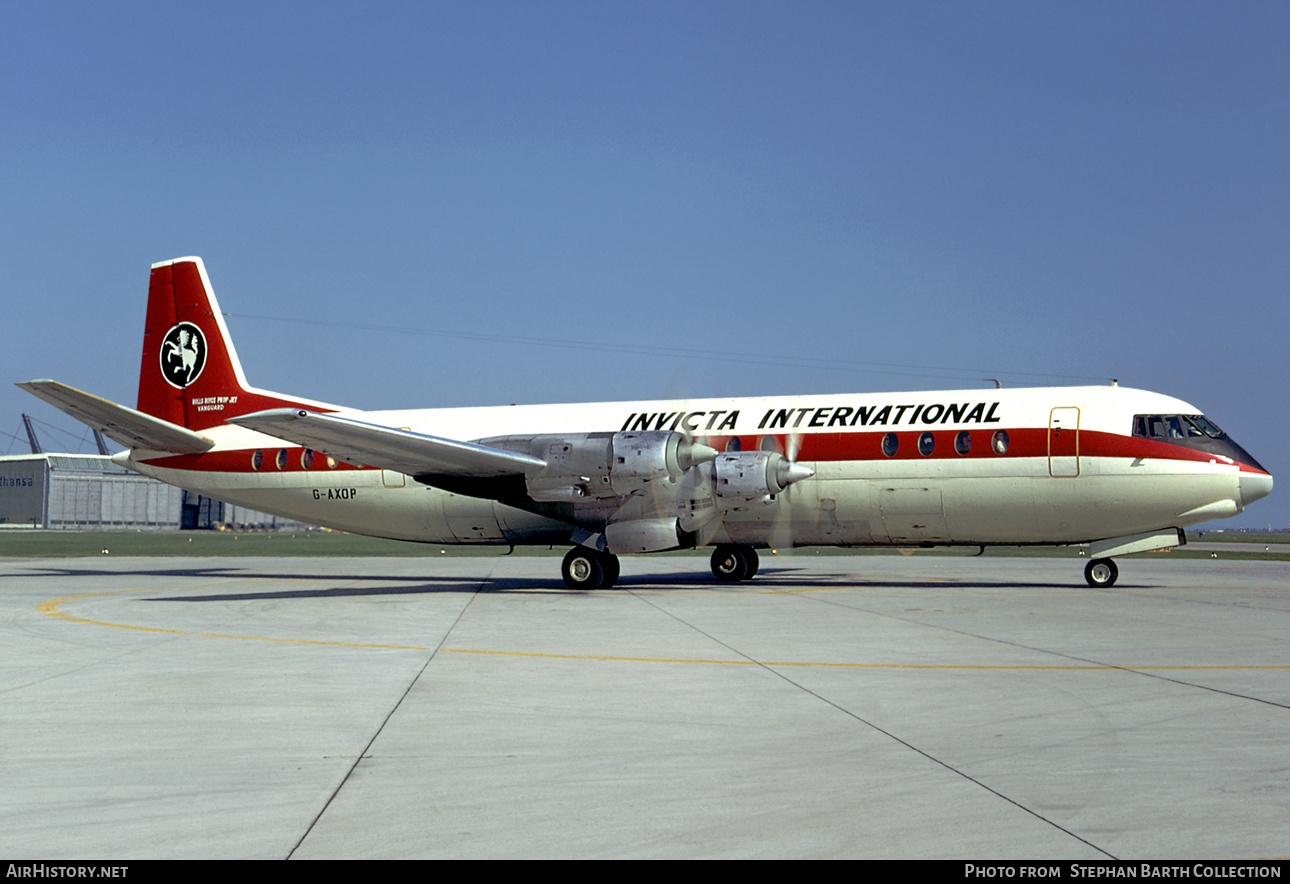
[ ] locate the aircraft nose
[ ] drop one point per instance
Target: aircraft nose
(1254, 486)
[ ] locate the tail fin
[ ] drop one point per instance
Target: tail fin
(190, 374)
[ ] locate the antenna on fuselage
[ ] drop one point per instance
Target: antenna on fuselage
(997, 385)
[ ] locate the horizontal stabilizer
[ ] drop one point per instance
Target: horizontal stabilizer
(123, 425)
(388, 447)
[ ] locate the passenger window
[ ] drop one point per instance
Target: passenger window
(963, 442)
(1000, 442)
(926, 442)
(889, 444)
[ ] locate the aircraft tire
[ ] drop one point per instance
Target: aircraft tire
(1101, 573)
(588, 569)
(731, 563)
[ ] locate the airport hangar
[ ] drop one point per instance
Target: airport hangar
(89, 492)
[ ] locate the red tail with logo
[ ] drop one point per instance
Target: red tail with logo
(190, 374)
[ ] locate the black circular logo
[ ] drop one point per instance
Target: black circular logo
(183, 354)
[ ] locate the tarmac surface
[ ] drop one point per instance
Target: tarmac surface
(467, 707)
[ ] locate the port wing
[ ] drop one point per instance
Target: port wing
(389, 448)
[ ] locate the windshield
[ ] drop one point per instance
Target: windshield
(1175, 426)
(1194, 431)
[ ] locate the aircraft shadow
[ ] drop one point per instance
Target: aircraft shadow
(768, 579)
(772, 580)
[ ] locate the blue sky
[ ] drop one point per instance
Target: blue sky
(845, 196)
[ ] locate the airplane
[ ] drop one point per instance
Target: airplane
(1118, 469)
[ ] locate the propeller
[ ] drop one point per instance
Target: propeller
(781, 534)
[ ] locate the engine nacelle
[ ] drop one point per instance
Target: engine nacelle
(642, 458)
(608, 465)
(740, 477)
(643, 535)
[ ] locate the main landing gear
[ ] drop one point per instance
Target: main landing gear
(586, 568)
(1101, 573)
(731, 563)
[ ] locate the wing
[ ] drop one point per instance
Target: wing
(389, 448)
(646, 490)
(123, 425)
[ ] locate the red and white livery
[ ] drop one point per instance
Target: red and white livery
(1118, 469)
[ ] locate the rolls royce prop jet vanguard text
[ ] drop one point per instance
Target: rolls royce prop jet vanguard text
(1122, 470)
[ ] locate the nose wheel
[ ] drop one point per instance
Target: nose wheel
(1101, 573)
(585, 568)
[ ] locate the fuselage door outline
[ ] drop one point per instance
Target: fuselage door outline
(1063, 443)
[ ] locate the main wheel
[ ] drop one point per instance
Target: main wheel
(1101, 573)
(610, 563)
(731, 563)
(585, 568)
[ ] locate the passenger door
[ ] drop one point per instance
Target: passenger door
(1063, 443)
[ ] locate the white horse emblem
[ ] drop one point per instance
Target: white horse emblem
(183, 354)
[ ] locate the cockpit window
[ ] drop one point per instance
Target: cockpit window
(1210, 428)
(1175, 426)
(1194, 431)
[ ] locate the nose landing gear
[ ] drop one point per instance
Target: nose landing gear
(1101, 573)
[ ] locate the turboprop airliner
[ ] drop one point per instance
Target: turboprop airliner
(1118, 469)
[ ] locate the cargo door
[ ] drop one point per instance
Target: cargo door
(913, 514)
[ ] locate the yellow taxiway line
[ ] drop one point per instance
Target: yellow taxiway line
(52, 607)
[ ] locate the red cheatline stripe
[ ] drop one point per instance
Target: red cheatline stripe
(807, 447)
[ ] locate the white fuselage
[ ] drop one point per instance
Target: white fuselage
(1071, 471)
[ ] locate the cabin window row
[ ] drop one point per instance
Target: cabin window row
(307, 457)
(962, 443)
(891, 443)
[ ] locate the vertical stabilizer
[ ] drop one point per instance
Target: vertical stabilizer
(190, 374)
